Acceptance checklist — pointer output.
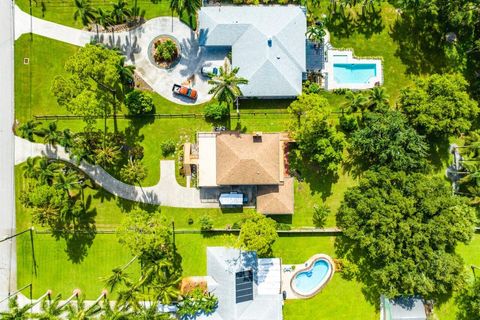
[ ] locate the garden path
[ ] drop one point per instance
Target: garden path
(166, 192)
(134, 44)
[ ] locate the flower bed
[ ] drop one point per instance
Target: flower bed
(164, 51)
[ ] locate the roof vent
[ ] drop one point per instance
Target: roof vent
(257, 137)
(269, 42)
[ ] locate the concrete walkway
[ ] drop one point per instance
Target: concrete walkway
(8, 261)
(167, 192)
(134, 44)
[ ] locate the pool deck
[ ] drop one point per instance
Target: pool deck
(347, 57)
(288, 275)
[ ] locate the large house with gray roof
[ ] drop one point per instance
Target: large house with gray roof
(268, 45)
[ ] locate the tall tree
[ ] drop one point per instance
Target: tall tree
(225, 85)
(401, 232)
(468, 302)
(84, 11)
(439, 105)
(29, 129)
(306, 102)
(388, 140)
(356, 102)
(120, 11)
(51, 135)
(377, 99)
(16, 312)
(133, 172)
(50, 309)
(258, 233)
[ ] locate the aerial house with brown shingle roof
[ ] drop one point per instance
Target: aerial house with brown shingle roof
(233, 159)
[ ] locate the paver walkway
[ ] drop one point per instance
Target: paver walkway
(134, 44)
(166, 192)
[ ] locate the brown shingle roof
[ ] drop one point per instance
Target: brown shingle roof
(276, 199)
(241, 161)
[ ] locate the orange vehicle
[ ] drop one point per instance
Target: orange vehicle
(185, 91)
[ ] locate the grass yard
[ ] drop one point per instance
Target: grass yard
(62, 11)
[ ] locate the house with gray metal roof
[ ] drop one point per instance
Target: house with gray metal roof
(247, 287)
(406, 308)
(268, 45)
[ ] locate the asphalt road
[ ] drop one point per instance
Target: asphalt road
(8, 267)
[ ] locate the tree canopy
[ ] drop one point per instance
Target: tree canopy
(318, 140)
(439, 105)
(469, 302)
(401, 232)
(258, 233)
(92, 84)
(388, 140)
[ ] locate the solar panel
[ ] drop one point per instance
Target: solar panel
(244, 286)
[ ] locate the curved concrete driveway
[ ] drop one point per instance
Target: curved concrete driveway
(134, 45)
(167, 192)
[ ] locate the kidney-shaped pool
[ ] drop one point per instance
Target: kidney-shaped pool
(309, 281)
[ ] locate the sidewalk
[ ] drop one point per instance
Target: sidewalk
(8, 262)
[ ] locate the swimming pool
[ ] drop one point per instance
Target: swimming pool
(310, 280)
(345, 73)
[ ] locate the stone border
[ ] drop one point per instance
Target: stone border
(308, 265)
(174, 62)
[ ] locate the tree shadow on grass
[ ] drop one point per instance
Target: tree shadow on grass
(127, 206)
(251, 105)
(420, 47)
(439, 154)
(370, 21)
(79, 233)
(340, 22)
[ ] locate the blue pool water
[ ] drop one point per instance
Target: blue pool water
(308, 280)
(353, 72)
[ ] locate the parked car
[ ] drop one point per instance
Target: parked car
(209, 70)
(185, 91)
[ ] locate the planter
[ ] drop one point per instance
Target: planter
(159, 61)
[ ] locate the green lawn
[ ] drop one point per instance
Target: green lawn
(61, 11)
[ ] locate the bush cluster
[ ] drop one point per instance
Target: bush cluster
(165, 50)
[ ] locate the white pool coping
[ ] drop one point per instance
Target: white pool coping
(288, 277)
(331, 84)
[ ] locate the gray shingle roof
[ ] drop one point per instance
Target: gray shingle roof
(268, 45)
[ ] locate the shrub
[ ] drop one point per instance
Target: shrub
(139, 102)
(206, 223)
(168, 147)
(216, 112)
(190, 221)
(166, 50)
(283, 226)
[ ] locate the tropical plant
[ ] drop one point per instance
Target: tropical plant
(133, 172)
(377, 99)
(84, 11)
(50, 309)
(78, 310)
(107, 155)
(103, 18)
(126, 73)
(15, 312)
(47, 170)
(68, 182)
(115, 312)
(120, 11)
(30, 168)
(225, 85)
(189, 6)
(197, 301)
(168, 147)
(356, 102)
(29, 129)
(468, 302)
(165, 50)
(50, 134)
(139, 102)
(66, 140)
(320, 214)
(316, 33)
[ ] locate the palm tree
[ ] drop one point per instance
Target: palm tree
(126, 73)
(355, 102)
(84, 11)
(166, 289)
(316, 33)
(377, 98)
(107, 155)
(115, 313)
(50, 134)
(226, 84)
(47, 170)
(191, 7)
(103, 18)
(120, 11)
(128, 298)
(133, 171)
(118, 275)
(66, 140)
(30, 169)
(79, 311)
(68, 182)
(16, 312)
(29, 129)
(176, 6)
(50, 309)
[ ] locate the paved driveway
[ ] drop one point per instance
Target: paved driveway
(134, 45)
(166, 192)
